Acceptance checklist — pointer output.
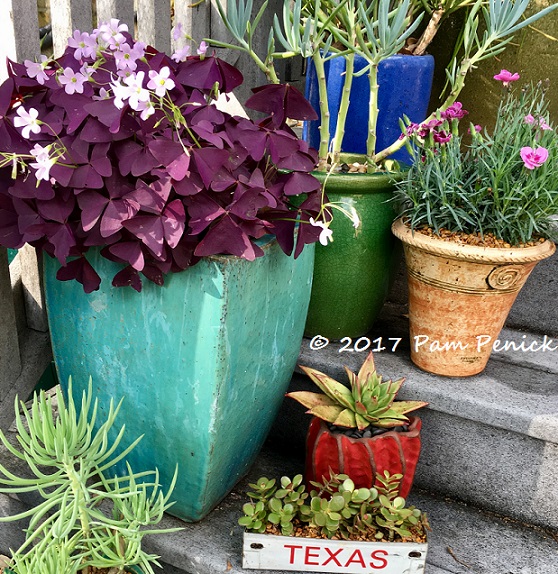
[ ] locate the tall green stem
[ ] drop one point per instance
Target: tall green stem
(343, 107)
(318, 60)
(372, 114)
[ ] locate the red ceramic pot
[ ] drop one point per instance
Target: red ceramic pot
(362, 458)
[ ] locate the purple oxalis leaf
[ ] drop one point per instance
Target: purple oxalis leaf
(116, 213)
(150, 230)
(92, 205)
(127, 277)
(61, 238)
(82, 271)
(208, 162)
(281, 101)
(203, 74)
(153, 197)
(227, 237)
(129, 252)
(203, 210)
(174, 218)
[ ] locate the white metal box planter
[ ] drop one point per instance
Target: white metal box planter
(269, 552)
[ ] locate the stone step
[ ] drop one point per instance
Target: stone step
(464, 540)
(490, 440)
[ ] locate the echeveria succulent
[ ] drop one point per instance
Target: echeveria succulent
(368, 400)
(117, 146)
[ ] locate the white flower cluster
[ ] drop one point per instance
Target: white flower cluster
(129, 86)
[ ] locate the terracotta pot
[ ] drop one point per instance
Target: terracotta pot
(362, 458)
(460, 297)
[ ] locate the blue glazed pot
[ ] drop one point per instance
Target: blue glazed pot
(202, 363)
(405, 85)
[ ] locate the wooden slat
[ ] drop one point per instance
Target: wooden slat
(154, 23)
(32, 289)
(195, 21)
(122, 10)
(67, 16)
(10, 362)
(19, 32)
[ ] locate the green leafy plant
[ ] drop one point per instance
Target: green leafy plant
(504, 183)
(335, 509)
(327, 29)
(368, 401)
(88, 518)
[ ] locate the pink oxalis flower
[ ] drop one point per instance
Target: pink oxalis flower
(202, 48)
(506, 77)
(85, 45)
(181, 55)
(72, 81)
(43, 162)
(160, 81)
(37, 69)
(28, 120)
(533, 158)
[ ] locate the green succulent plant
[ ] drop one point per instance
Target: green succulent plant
(88, 518)
(368, 400)
(336, 508)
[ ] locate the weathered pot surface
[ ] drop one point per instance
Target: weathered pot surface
(460, 297)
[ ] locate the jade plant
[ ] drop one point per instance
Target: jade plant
(336, 508)
(88, 518)
(368, 401)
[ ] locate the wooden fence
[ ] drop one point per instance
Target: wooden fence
(24, 342)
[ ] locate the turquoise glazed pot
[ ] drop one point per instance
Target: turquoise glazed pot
(202, 362)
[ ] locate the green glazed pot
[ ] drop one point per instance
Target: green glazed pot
(202, 362)
(352, 275)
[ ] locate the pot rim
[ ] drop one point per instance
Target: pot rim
(454, 250)
(412, 431)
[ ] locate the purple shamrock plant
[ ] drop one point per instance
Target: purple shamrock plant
(504, 183)
(117, 146)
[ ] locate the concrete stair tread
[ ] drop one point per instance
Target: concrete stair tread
(517, 391)
(463, 539)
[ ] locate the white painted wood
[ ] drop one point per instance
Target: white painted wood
(268, 552)
(122, 10)
(67, 16)
(154, 23)
(10, 362)
(19, 32)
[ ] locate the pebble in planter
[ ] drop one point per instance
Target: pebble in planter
(335, 528)
(360, 430)
(89, 521)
